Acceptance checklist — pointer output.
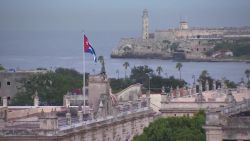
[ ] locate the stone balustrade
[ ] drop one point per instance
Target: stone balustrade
(227, 123)
(123, 126)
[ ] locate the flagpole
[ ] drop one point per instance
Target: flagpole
(83, 88)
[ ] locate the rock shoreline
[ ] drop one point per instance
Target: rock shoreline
(154, 56)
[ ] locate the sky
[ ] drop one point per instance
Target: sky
(119, 15)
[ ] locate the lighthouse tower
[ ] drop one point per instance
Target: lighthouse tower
(145, 24)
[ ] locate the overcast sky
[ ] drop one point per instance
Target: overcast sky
(113, 15)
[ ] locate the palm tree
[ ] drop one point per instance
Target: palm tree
(247, 72)
(159, 70)
(117, 71)
(179, 66)
(126, 65)
(203, 76)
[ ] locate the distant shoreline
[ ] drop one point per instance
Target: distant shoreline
(182, 60)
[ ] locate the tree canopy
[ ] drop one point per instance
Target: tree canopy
(51, 87)
(1, 67)
(159, 70)
(142, 74)
(175, 129)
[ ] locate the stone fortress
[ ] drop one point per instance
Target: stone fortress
(183, 42)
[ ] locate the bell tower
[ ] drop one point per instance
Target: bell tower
(145, 24)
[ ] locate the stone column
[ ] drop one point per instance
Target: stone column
(148, 99)
(36, 100)
(171, 92)
(200, 86)
(207, 85)
(48, 121)
(66, 100)
(68, 118)
(5, 101)
(139, 103)
(178, 91)
(213, 133)
(80, 117)
(214, 85)
(163, 95)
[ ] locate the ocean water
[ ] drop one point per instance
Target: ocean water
(53, 49)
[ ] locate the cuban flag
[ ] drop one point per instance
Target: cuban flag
(88, 48)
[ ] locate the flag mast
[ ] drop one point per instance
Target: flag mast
(83, 87)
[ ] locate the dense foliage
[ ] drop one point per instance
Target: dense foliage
(51, 87)
(230, 84)
(239, 47)
(142, 74)
(175, 129)
(119, 84)
(1, 67)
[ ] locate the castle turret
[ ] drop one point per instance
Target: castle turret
(145, 24)
(183, 25)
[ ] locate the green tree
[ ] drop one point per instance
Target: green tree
(230, 84)
(126, 65)
(119, 84)
(159, 70)
(179, 66)
(1, 67)
(175, 129)
(204, 76)
(51, 87)
(247, 72)
(139, 74)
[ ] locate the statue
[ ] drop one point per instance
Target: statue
(101, 59)
(162, 90)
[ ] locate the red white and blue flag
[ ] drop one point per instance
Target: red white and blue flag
(88, 48)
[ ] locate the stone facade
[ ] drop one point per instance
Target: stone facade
(98, 86)
(10, 81)
(123, 127)
(189, 104)
(231, 122)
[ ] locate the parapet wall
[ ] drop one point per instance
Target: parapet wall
(123, 126)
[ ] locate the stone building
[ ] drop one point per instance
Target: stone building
(188, 104)
(231, 122)
(10, 81)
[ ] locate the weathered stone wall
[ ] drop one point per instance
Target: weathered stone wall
(15, 112)
(10, 81)
(186, 108)
(129, 94)
(122, 128)
(98, 84)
